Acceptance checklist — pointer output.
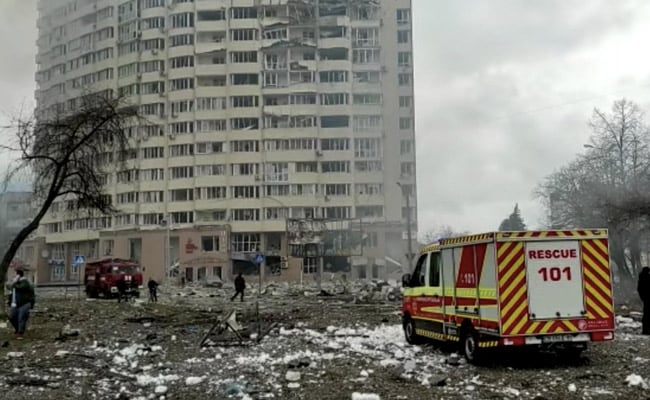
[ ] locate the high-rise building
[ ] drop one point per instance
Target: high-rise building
(257, 111)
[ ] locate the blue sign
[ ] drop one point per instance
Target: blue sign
(79, 260)
(259, 258)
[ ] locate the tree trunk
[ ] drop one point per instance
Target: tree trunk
(617, 254)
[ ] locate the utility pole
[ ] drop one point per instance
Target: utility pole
(167, 253)
(408, 231)
(408, 226)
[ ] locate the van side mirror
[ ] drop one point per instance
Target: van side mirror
(406, 280)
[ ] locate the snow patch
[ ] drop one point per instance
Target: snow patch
(625, 322)
(635, 380)
(194, 380)
(365, 396)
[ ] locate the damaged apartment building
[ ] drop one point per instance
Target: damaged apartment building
(258, 113)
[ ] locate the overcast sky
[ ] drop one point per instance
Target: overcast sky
(503, 93)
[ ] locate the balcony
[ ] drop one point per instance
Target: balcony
(210, 69)
(330, 43)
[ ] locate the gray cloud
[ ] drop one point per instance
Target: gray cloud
(504, 90)
(17, 47)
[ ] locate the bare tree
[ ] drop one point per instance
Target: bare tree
(67, 156)
(442, 232)
(606, 187)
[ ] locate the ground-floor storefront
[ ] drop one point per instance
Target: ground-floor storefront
(213, 253)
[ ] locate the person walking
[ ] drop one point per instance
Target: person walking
(121, 290)
(643, 288)
(153, 290)
(240, 285)
(21, 300)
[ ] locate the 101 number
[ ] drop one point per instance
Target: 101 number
(555, 273)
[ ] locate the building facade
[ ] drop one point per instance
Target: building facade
(256, 111)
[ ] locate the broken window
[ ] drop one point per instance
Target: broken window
(303, 76)
(405, 122)
(244, 79)
(333, 76)
(365, 56)
(367, 148)
(243, 146)
(404, 79)
(403, 36)
(182, 194)
(403, 16)
(245, 192)
(405, 101)
(329, 99)
(406, 147)
(337, 212)
(244, 101)
(337, 53)
(365, 123)
(337, 144)
(244, 123)
(335, 166)
(246, 214)
(303, 121)
(332, 32)
(368, 166)
(243, 13)
(274, 122)
(366, 76)
(335, 121)
(211, 15)
(275, 61)
(404, 59)
(368, 99)
(369, 211)
(337, 189)
(329, 9)
(243, 34)
(302, 99)
(245, 242)
(275, 33)
(238, 57)
(365, 37)
(271, 79)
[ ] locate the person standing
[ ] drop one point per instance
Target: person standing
(240, 285)
(121, 290)
(21, 300)
(153, 290)
(643, 288)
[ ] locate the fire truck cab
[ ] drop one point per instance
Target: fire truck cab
(102, 277)
(535, 288)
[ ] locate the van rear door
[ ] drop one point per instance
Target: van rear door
(554, 278)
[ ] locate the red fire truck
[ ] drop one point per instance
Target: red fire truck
(549, 289)
(102, 277)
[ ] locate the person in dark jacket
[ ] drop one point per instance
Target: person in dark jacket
(21, 300)
(121, 291)
(643, 288)
(240, 285)
(153, 290)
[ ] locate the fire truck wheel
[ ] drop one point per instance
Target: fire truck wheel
(409, 332)
(469, 345)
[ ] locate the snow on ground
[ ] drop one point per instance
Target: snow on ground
(286, 359)
(627, 323)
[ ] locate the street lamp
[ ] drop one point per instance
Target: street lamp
(408, 225)
(166, 222)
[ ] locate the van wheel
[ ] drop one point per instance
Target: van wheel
(409, 332)
(469, 346)
(571, 353)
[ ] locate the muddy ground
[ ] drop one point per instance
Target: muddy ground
(312, 348)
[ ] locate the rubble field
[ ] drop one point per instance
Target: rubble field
(302, 346)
